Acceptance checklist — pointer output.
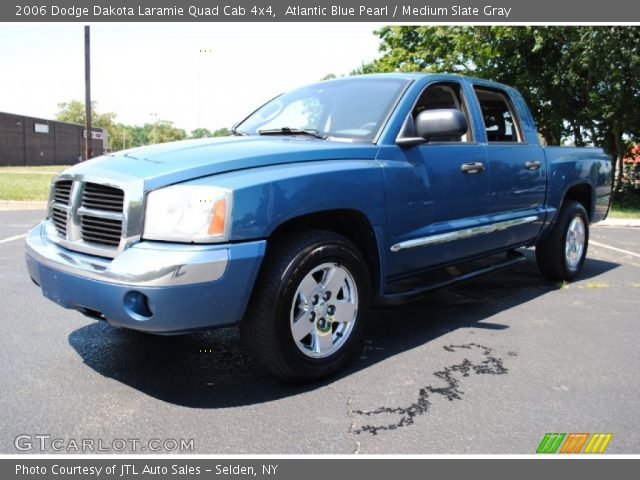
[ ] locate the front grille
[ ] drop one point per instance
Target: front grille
(59, 219)
(61, 198)
(62, 191)
(88, 217)
(104, 231)
(96, 228)
(102, 197)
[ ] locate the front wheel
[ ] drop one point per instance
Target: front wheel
(562, 254)
(307, 316)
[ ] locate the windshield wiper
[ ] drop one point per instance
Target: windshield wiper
(293, 131)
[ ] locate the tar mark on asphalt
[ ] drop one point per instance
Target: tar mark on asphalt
(490, 365)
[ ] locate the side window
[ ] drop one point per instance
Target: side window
(439, 96)
(498, 115)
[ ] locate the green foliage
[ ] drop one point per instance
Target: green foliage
(206, 133)
(120, 136)
(200, 133)
(73, 112)
(163, 131)
(221, 132)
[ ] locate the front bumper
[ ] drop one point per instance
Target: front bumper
(151, 286)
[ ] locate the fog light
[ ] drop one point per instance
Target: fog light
(137, 305)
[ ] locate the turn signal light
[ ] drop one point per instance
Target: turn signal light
(219, 216)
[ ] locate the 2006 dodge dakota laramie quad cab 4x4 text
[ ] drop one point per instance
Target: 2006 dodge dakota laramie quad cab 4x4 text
(325, 200)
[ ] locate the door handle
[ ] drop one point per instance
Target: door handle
(532, 164)
(472, 167)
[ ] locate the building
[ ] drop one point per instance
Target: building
(36, 141)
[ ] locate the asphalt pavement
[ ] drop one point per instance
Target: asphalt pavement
(487, 367)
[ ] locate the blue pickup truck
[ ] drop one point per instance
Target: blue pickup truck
(325, 201)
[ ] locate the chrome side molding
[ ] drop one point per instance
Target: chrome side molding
(460, 234)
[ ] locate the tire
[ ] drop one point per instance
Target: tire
(292, 288)
(561, 255)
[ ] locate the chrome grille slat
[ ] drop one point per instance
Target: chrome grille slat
(103, 206)
(103, 201)
(100, 227)
(101, 240)
(101, 237)
(96, 193)
(102, 197)
(103, 222)
(62, 191)
(59, 219)
(100, 232)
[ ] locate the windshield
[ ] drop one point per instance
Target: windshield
(353, 108)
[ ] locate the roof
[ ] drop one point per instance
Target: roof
(421, 75)
(46, 120)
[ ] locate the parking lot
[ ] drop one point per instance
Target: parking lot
(486, 367)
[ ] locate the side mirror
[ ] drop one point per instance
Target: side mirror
(435, 123)
(441, 123)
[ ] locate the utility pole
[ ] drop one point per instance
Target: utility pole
(88, 144)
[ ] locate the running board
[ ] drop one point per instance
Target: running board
(419, 291)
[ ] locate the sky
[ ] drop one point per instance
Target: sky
(208, 75)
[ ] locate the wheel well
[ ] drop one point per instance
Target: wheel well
(352, 224)
(581, 194)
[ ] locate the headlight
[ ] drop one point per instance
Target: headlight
(188, 213)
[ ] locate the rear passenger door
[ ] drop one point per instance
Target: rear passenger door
(517, 172)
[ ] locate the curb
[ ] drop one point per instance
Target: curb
(22, 205)
(620, 222)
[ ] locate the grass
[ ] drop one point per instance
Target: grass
(624, 213)
(27, 183)
(35, 169)
(625, 205)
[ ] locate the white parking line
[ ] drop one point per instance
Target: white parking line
(11, 239)
(615, 249)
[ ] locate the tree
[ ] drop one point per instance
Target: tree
(123, 136)
(163, 131)
(73, 111)
(580, 82)
(120, 135)
(221, 132)
(200, 133)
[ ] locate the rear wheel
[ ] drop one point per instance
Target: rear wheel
(308, 312)
(562, 254)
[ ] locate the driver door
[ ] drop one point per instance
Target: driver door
(434, 200)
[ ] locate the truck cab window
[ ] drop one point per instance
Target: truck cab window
(440, 96)
(497, 113)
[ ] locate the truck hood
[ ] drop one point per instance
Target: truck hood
(168, 163)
